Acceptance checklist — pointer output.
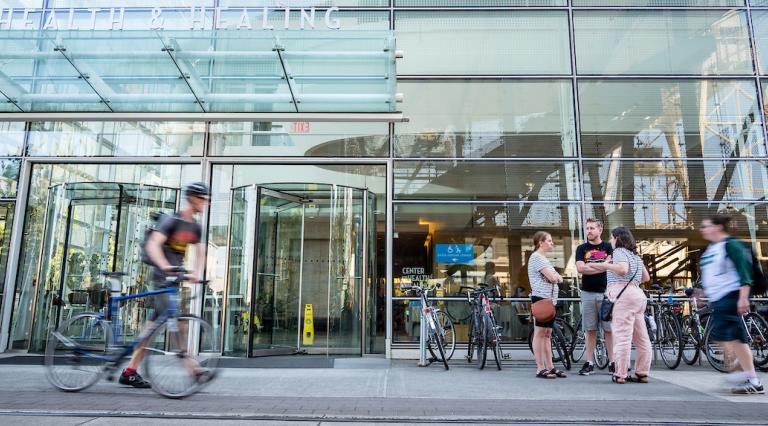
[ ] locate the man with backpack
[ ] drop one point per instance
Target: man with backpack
(165, 248)
(727, 277)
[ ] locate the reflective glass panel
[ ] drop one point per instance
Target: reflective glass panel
(33, 288)
(11, 137)
(497, 239)
(658, 3)
(478, 3)
(487, 180)
(9, 176)
(674, 180)
(119, 139)
(6, 225)
(486, 119)
(668, 233)
(306, 3)
(310, 139)
(760, 26)
(50, 83)
(129, 3)
(662, 42)
(196, 70)
(665, 118)
(494, 43)
(23, 3)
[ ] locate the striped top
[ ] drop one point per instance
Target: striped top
(622, 255)
(540, 287)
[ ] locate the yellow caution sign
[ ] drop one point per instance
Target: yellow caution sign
(309, 326)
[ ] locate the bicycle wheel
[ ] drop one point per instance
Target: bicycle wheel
(495, 344)
(435, 341)
(758, 333)
(560, 347)
(569, 336)
(447, 333)
(715, 353)
(181, 356)
(670, 344)
(472, 338)
(601, 351)
(482, 344)
(689, 335)
(77, 352)
(579, 346)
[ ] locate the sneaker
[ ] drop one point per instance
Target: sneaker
(587, 369)
(612, 367)
(133, 380)
(748, 388)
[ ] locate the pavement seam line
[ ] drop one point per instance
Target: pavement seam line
(345, 418)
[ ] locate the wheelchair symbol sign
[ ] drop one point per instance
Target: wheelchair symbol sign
(454, 253)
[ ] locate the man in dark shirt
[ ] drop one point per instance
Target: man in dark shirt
(593, 285)
(166, 248)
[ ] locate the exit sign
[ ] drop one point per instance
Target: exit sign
(301, 127)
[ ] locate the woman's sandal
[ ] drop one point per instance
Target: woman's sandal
(637, 378)
(546, 374)
(558, 373)
(619, 380)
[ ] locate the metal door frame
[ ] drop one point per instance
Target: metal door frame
(263, 189)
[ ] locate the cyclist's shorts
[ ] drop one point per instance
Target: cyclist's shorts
(549, 324)
(160, 302)
(727, 324)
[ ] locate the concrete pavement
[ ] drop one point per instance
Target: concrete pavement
(376, 390)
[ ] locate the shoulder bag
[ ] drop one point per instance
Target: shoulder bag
(606, 307)
(544, 309)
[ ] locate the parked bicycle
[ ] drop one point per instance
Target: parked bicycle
(696, 336)
(181, 353)
(484, 333)
(579, 347)
(563, 341)
(441, 335)
(663, 329)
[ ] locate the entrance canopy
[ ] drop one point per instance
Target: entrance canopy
(111, 74)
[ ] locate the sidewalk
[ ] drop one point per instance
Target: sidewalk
(373, 389)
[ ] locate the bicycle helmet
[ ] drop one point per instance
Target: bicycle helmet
(197, 189)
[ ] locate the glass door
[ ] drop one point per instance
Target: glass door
(278, 280)
(92, 227)
(298, 262)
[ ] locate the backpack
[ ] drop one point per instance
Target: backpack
(759, 282)
(156, 216)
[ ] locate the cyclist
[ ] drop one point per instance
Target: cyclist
(726, 275)
(166, 248)
(593, 285)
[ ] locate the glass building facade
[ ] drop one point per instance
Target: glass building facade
(522, 115)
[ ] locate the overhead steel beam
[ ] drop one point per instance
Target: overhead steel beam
(373, 117)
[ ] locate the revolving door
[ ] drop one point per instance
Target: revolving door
(299, 267)
(92, 227)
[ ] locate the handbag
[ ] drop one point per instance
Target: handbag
(606, 306)
(544, 309)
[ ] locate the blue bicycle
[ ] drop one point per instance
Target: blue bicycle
(180, 351)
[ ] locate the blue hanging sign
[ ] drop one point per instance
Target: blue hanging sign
(455, 253)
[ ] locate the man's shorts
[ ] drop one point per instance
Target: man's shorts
(727, 324)
(590, 311)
